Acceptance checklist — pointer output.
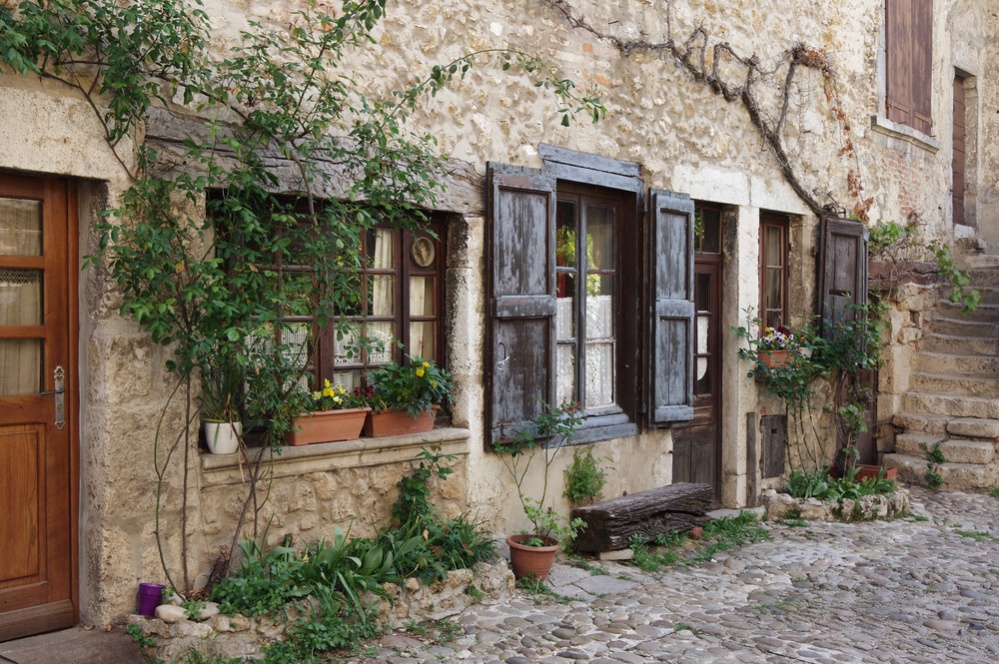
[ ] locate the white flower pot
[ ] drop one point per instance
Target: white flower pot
(223, 437)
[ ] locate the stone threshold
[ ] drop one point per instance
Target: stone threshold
(229, 469)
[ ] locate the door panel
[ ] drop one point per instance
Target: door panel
(697, 445)
(38, 476)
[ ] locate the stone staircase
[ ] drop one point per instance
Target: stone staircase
(953, 395)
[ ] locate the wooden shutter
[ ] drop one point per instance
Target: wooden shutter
(842, 270)
(958, 158)
(521, 360)
(909, 62)
(672, 334)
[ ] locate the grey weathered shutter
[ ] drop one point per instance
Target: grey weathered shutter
(842, 270)
(521, 362)
(672, 390)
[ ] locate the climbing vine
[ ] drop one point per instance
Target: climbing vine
(208, 259)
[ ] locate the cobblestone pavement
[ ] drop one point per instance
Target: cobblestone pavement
(912, 590)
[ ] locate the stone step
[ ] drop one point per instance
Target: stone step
(948, 404)
(956, 476)
(959, 365)
(959, 345)
(974, 427)
(935, 425)
(961, 327)
(985, 313)
(955, 450)
(982, 275)
(968, 385)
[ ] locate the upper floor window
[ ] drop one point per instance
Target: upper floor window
(773, 270)
(908, 62)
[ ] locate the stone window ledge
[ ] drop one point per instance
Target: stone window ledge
(904, 133)
(225, 469)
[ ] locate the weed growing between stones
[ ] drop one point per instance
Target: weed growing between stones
(532, 586)
(932, 477)
(994, 492)
(978, 536)
(677, 548)
(583, 564)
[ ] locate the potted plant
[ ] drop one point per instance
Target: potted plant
(332, 413)
(534, 552)
(405, 398)
(221, 390)
(774, 346)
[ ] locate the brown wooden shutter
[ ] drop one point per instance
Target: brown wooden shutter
(521, 363)
(842, 270)
(958, 158)
(672, 335)
(909, 62)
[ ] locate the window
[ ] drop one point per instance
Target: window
(401, 303)
(586, 319)
(958, 162)
(773, 270)
(581, 307)
(908, 62)
(398, 310)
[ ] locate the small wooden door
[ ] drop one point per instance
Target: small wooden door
(38, 460)
(697, 445)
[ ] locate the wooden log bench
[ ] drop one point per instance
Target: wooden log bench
(611, 524)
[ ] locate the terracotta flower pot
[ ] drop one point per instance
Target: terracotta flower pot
(536, 560)
(774, 359)
(327, 426)
(397, 422)
(867, 470)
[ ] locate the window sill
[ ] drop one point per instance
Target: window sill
(605, 427)
(903, 133)
(226, 469)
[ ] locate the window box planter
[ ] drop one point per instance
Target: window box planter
(327, 426)
(775, 359)
(396, 422)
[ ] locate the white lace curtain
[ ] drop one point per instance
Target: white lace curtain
(20, 297)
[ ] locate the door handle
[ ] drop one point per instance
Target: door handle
(59, 378)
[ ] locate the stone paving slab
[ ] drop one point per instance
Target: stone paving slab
(909, 590)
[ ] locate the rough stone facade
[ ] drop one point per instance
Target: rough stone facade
(686, 137)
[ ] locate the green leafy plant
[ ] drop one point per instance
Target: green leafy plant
(934, 458)
(334, 397)
(551, 430)
(584, 479)
(414, 388)
(969, 299)
(819, 485)
(994, 492)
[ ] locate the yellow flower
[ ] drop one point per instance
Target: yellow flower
(337, 400)
(342, 391)
(426, 365)
(433, 383)
(420, 372)
(317, 395)
(328, 391)
(326, 382)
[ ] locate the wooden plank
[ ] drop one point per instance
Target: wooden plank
(773, 430)
(752, 477)
(22, 515)
(557, 155)
(611, 524)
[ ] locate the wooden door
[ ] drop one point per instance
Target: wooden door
(697, 445)
(38, 460)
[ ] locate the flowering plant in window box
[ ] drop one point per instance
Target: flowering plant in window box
(332, 414)
(775, 345)
(404, 398)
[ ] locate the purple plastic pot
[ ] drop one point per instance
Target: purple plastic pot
(150, 596)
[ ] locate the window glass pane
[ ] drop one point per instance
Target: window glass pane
(381, 296)
(565, 386)
(422, 341)
(346, 349)
(701, 377)
(774, 243)
(565, 234)
(347, 379)
(773, 290)
(600, 315)
(565, 315)
(599, 238)
(600, 374)
(382, 334)
(702, 384)
(296, 339)
(381, 249)
(20, 297)
(21, 367)
(702, 294)
(421, 296)
(20, 227)
(709, 231)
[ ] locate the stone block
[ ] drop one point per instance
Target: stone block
(973, 427)
(621, 554)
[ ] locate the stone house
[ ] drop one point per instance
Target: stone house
(863, 122)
